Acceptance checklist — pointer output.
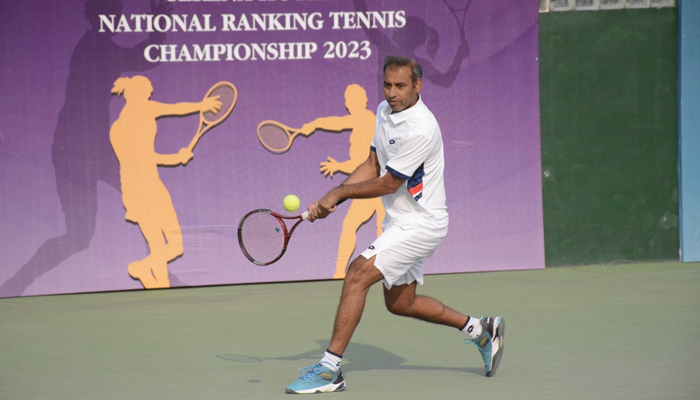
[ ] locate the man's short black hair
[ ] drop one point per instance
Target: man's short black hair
(416, 70)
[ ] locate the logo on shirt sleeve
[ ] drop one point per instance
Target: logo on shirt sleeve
(415, 184)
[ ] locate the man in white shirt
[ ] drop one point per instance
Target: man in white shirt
(406, 169)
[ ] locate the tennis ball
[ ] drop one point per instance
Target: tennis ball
(291, 203)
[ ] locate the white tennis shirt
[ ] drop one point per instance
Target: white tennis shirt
(409, 145)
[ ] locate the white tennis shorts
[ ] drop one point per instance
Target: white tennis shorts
(401, 253)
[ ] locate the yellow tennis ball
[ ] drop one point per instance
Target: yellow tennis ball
(291, 203)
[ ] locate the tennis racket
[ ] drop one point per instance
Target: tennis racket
(207, 120)
(459, 7)
(264, 236)
(276, 137)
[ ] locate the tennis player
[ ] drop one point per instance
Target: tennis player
(405, 168)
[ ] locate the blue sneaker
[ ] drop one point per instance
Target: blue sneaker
(490, 343)
(317, 379)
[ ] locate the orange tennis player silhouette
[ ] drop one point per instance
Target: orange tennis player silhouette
(360, 121)
(145, 197)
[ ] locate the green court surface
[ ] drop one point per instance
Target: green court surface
(594, 332)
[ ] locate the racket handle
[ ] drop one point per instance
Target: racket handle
(194, 141)
(305, 215)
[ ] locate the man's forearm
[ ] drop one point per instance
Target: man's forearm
(375, 187)
(365, 172)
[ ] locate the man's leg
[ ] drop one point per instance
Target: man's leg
(326, 375)
(362, 274)
(403, 300)
(488, 335)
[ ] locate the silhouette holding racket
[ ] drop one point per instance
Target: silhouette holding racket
(145, 197)
(81, 153)
(360, 121)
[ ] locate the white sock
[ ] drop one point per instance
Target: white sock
(331, 360)
(472, 328)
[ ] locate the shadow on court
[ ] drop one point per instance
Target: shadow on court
(358, 357)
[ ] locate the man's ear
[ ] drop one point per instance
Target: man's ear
(419, 85)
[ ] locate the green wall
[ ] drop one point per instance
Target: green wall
(608, 82)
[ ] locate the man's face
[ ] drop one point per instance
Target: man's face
(399, 90)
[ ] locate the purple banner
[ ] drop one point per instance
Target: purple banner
(72, 157)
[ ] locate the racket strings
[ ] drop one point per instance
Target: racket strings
(227, 97)
(274, 136)
(262, 237)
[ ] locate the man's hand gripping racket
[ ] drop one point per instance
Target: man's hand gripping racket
(322, 208)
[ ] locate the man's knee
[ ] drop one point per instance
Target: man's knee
(357, 269)
(397, 307)
(400, 300)
(362, 272)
